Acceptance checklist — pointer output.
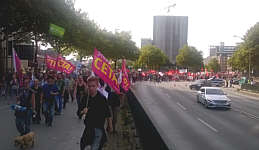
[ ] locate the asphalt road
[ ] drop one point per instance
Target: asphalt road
(64, 135)
(186, 125)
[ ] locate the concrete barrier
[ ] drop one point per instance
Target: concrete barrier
(149, 136)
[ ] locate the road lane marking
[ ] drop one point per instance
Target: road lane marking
(180, 105)
(246, 113)
(208, 125)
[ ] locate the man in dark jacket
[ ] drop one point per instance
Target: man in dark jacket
(96, 110)
(25, 99)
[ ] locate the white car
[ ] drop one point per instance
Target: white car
(212, 97)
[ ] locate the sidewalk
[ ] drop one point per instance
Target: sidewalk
(237, 90)
(66, 131)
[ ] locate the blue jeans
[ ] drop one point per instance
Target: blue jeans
(23, 124)
(48, 110)
(91, 137)
(59, 103)
(98, 134)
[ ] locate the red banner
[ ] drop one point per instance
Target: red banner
(103, 69)
(59, 64)
(125, 80)
(50, 62)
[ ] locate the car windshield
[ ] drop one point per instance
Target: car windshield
(214, 92)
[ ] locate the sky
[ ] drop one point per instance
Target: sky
(209, 21)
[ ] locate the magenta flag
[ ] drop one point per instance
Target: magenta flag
(59, 64)
(102, 68)
(125, 79)
(64, 66)
(50, 62)
(17, 66)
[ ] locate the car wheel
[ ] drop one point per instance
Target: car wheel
(206, 105)
(198, 101)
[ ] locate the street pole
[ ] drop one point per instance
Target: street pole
(249, 64)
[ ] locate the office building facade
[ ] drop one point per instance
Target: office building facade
(170, 34)
(223, 53)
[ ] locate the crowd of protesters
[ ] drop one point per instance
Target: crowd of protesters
(45, 95)
(229, 79)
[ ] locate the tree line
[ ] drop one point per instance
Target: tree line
(29, 20)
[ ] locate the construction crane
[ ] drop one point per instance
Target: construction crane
(169, 7)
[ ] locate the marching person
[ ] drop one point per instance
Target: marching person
(14, 84)
(3, 86)
(114, 103)
(38, 101)
(79, 90)
(71, 85)
(50, 90)
(96, 110)
(61, 89)
(25, 99)
(66, 91)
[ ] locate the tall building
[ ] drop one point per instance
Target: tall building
(145, 42)
(213, 50)
(170, 34)
(223, 53)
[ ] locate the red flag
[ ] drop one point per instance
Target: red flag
(59, 64)
(125, 80)
(102, 68)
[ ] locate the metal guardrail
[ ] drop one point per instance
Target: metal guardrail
(149, 136)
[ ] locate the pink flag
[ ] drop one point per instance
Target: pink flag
(64, 65)
(17, 66)
(50, 62)
(59, 64)
(102, 68)
(125, 80)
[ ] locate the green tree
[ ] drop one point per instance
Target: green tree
(213, 65)
(189, 57)
(151, 57)
(30, 20)
(248, 51)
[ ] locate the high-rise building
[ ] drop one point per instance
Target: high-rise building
(170, 34)
(145, 42)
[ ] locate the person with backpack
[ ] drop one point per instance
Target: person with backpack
(25, 99)
(50, 91)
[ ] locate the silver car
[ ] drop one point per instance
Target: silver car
(212, 97)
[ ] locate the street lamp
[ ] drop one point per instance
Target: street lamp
(249, 57)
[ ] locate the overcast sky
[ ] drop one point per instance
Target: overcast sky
(210, 21)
